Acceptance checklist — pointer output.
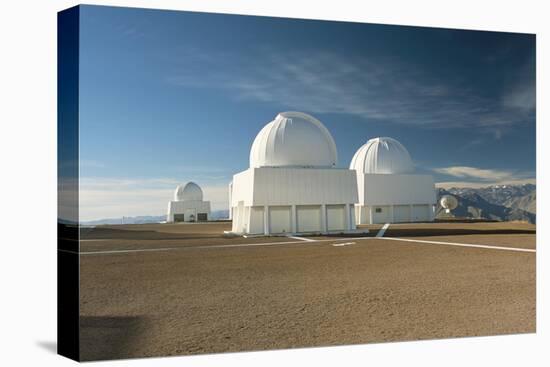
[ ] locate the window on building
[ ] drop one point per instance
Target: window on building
(378, 210)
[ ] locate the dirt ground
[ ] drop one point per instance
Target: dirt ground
(185, 289)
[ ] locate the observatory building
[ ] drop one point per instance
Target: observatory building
(388, 188)
(292, 185)
(188, 205)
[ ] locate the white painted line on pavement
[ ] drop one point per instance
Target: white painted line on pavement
(302, 242)
(301, 239)
(343, 244)
(460, 244)
(310, 242)
(382, 230)
(129, 251)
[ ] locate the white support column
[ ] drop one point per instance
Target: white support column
(230, 189)
(324, 227)
(266, 220)
(293, 218)
(353, 219)
(248, 212)
(392, 217)
(370, 215)
(348, 218)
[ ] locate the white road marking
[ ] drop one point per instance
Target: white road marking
(128, 251)
(310, 242)
(301, 238)
(382, 230)
(460, 244)
(343, 244)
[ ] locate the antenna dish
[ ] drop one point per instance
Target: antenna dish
(448, 202)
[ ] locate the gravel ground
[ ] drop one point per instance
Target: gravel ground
(211, 300)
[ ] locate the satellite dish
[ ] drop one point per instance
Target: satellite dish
(448, 202)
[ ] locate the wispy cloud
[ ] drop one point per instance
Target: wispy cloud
(479, 177)
(477, 185)
(475, 173)
(385, 90)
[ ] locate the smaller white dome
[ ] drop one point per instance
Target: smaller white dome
(382, 155)
(190, 192)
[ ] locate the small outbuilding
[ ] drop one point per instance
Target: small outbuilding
(389, 189)
(293, 185)
(188, 205)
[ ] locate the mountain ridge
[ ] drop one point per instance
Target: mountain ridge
(495, 202)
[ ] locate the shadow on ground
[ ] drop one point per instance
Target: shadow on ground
(108, 337)
(50, 346)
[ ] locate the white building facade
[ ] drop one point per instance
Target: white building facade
(188, 205)
(389, 191)
(292, 185)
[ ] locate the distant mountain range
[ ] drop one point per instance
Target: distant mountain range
(497, 202)
(216, 215)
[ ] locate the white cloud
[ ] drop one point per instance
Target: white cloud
(477, 185)
(479, 177)
(476, 173)
(522, 97)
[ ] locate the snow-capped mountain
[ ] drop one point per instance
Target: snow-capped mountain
(498, 202)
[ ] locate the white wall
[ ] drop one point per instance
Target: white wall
(242, 188)
(308, 218)
(336, 217)
(280, 219)
(420, 213)
(401, 213)
(256, 223)
(298, 200)
(294, 186)
(389, 189)
(186, 208)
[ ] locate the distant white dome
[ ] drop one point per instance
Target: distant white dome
(382, 155)
(293, 139)
(191, 191)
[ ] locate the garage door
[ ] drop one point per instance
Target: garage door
(201, 217)
(256, 220)
(279, 219)
(308, 218)
(401, 213)
(179, 217)
(380, 214)
(336, 217)
(420, 213)
(190, 215)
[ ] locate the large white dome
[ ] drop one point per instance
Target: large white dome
(382, 155)
(191, 191)
(293, 139)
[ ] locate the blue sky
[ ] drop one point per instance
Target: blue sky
(167, 97)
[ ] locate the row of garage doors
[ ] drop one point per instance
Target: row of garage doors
(401, 213)
(308, 218)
